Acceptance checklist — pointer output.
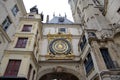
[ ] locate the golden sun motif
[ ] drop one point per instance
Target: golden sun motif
(60, 46)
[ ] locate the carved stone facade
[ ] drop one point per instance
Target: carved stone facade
(101, 28)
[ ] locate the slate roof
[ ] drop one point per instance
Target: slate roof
(60, 20)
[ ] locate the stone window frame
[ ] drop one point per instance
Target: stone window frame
(15, 10)
(88, 63)
(107, 58)
(27, 28)
(60, 30)
(6, 23)
(12, 67)
(21, 42)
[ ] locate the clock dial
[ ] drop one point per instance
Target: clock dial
(60, 46)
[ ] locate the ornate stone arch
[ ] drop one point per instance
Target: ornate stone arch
(66, 70)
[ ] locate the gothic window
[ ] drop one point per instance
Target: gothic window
(15, 10)
(29, 72)
(6, 23)
(62, 30)
(27, 28)
(21, 43)
(83, 42)
(106, 57)
(12, 68)
(88, 63)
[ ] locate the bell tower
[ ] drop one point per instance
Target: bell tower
(58, 51)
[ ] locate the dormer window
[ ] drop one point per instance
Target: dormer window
(31, 16)
(61, 19)
(62, 30)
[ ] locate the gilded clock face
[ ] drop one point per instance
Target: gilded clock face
(60, 46)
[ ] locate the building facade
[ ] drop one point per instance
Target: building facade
(100, 51)
(87, 49)
(11, 11)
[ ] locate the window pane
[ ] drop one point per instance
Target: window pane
(82, 44)
(21, 43)
(27, 28)
(108, 61)
(12, 68)
(6, 23)
(88, 63)
(62, 30)
(31, 16)
(15, 10)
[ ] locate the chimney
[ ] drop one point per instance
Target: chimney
(47, 19)
(42, 16)
(53, 14)
(65, 15)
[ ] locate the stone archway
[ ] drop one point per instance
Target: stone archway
(59, 71)
(58, 76)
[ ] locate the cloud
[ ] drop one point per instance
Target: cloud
(49, 7)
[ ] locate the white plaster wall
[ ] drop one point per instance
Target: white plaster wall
(75, 46)
(44, 47)
(74, 31)
(53, 29)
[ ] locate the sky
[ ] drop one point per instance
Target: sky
(50, 7)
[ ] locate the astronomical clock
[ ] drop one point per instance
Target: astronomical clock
(59, 46)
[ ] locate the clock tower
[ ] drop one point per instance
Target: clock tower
(59, 55)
